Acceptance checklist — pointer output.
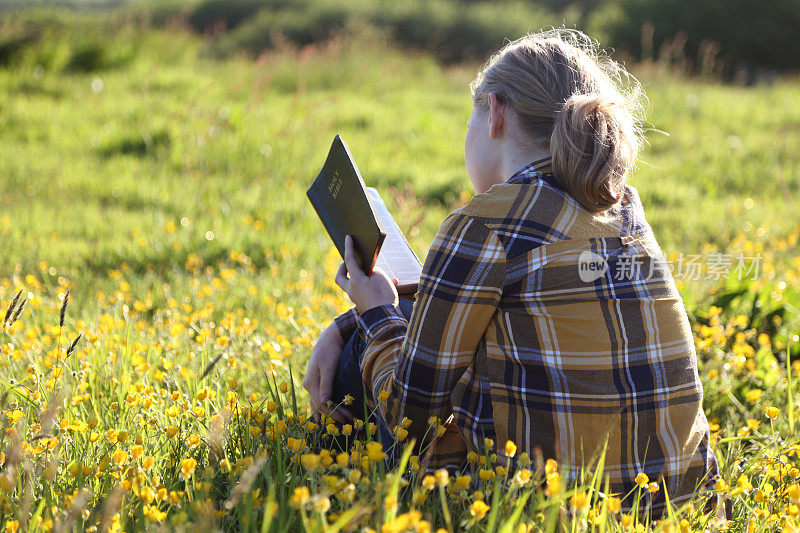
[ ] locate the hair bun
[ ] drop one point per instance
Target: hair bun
(582, 105)
(591, 150)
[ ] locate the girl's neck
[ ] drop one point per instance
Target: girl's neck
(516, 158)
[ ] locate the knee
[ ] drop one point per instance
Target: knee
(406, 306)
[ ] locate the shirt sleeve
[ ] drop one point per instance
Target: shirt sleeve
(417, 363)
(347, 323)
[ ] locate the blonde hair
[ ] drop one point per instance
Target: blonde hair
(571, 96)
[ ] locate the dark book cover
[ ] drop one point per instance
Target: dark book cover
(339, 197)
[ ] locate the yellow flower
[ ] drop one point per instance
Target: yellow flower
(296, 444)
(511, 448)
(299, 497)
(12, 526)
(310, 461)
(553, 484)
(753, 395)
(626, 520)
(354, 476)
(172, 431)
(321, 504)
(763, 339)
(442, 477)
(348, 400)
(429, 482)
(522, 476)
(390, 504)
(342, 459)
(147, 494)
(136, 451)
(720, 486)
(743, 483)
(652, 487)
(187, 467)
(148, 462)
(614, 505)
(551, 466)
(463, 482)
(8, 479)
(761, 496)
(793, 491)
(478, 509)
(383, 395)
(773, 412)
(375, 451)
(580, 502)
(120, 456)
(642, 480)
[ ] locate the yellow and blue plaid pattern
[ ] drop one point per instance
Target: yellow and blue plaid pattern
(510, 340)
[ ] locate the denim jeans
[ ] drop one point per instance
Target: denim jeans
(348, 381)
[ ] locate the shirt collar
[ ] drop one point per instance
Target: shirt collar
(533, 170)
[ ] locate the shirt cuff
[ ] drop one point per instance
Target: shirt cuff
(347, 323)
(373, 320)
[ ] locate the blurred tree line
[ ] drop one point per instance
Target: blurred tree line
(723, 38)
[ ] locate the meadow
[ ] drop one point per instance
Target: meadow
(172, 278)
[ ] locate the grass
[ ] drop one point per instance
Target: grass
(168, 195)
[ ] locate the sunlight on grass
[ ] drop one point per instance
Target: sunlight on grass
(164, 279)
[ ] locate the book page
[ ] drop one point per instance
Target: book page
(396, 257)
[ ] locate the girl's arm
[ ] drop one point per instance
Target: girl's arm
(416, 364)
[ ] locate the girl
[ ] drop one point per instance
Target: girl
(545, 314)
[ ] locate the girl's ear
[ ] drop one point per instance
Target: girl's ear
(496, 116)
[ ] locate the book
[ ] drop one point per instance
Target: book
(346, 206)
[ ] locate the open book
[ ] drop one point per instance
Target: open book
(347, 207)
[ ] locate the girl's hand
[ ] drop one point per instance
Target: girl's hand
(365, 291)
(321, 372)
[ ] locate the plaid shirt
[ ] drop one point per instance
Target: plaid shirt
(540, 323)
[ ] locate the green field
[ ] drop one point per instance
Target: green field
(168, 195)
